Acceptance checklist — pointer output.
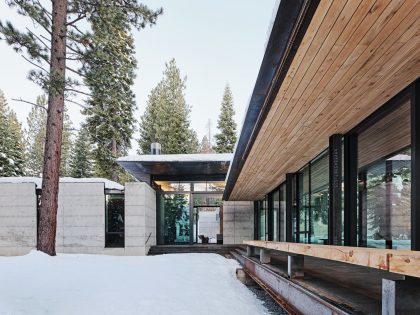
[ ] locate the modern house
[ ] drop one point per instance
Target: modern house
(177, 200)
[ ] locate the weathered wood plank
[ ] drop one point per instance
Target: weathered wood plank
(397, 261)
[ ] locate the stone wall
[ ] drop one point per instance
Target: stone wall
(238, 221)
(140, 214)
(17, 218)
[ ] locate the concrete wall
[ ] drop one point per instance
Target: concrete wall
(238, 221)
(140, 214)
(17, 218)
(81, 218)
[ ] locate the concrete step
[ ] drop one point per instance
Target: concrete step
(195, 248)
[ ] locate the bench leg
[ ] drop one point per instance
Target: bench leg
(265, 257)
(401, 296)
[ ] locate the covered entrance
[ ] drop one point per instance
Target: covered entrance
(186, 217)
(189, 190)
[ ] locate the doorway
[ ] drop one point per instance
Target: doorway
(206, 224)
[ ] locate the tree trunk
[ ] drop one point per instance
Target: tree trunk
(114, 167)
(52, 154)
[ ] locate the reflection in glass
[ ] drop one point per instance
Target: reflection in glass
(385, 202)
(114, 221)
(176, 218)
(275, 202)
(282, 212)
(207, 200)
(319, 200)
(303, 206)
(262, 219)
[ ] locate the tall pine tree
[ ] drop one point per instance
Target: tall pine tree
(35, 137)
(12, 147)
(226, 138)
(66, 145)
(81, 163)
(166, 118)
(110, 116)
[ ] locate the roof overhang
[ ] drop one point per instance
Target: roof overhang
(328, 65)
(177, 166)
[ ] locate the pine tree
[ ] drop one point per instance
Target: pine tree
(35, 137)
(12, 149)
(81, 163)
(60, 21)
(226, 138)
(66, 145)
(205, 146)
(110, 117)
(166, 118)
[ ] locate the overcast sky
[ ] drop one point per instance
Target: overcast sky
(214, 42)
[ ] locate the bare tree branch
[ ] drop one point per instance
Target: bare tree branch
(77, 91)
(35, 65)
(33, 104)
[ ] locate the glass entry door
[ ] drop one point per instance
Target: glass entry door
(175, 212)
(206, 222)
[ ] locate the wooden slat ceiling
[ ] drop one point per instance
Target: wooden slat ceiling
(354, 57)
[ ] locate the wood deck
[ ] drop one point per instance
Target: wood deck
(396, 261)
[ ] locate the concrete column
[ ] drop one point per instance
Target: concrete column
(295, 266)
(265, 257)
(401, 296)
(249, 251)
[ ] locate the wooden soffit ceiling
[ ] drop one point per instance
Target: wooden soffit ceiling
(354, 56)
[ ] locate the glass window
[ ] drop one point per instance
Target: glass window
(282, 212)
(275, 203)
(207, 200)
(216, 186)
(173, 186)
(200, 186)
(175, 218)
(114, 221)
(319, 200)
(384, 162)
(262, 219)
(302, 231)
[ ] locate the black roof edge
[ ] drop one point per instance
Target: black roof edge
(291, 22)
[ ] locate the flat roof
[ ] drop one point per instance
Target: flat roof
(327, 67)
(167, 166)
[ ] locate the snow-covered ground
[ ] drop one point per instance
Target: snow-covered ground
(93, 284)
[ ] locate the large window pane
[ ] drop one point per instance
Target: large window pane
(385, 181)
(303, 205)
(275, 203)
(319, 200)
(176, 218)
(282, 212)
(385, 192)
(262, 219)
(114, 221)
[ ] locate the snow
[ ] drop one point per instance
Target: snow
(211, 157)
(95, 284)
(38, 181)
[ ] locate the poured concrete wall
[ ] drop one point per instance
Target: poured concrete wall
(81, 218)
(238, 221)
(140, 214)
(17, 218)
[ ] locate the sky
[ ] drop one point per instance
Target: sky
(214, 42)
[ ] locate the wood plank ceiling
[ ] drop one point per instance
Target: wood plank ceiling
(354, 57)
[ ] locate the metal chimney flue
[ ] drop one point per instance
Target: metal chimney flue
(155, 148)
